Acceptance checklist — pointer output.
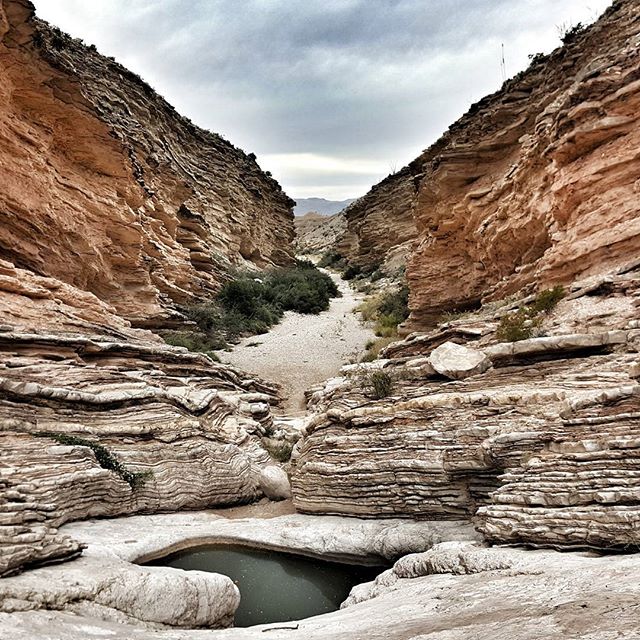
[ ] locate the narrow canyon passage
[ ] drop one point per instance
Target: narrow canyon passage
(305, 350)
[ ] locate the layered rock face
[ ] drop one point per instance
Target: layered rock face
(105, 187)
(317, 234)
(535, 185)
(380, 225)
(188, 429)
(539, 448)
(114, 209)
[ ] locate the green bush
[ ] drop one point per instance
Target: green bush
(515, 326)
(351, 272)
(522, 324)
(196, 341)
(104, 457)
(332, 259)
(548, 299)
(249, 305)
(380, 384)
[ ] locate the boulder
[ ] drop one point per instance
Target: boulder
(274, 483)
(457, 362)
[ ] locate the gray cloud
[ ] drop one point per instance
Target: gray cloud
(347, 83)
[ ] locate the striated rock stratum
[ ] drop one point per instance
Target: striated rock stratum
(536, 185)
(535, 441)
(113, 209)
(106, 188)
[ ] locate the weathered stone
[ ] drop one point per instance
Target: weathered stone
(274, 483)
(457, 362)
(120, 196)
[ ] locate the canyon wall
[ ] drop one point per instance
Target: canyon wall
(113, 210)
(380, 226)
(536, 185)
(538, 445)
(105, 187)
(533, 436)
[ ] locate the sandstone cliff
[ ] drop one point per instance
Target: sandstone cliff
(317, 234)
(113, 209)
(536, 185)
(380, 225)
(105, 187)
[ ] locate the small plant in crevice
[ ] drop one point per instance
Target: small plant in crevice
(568, 33)
(278, 449)
(524, 323)
(379, 384)
(104, 457)
(387, 311)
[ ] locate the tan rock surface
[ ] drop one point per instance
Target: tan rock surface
(536, 185)
(316, 234)
(105, 187)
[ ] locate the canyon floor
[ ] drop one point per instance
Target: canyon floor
(305, 350)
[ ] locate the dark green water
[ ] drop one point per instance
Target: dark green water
(274, 586)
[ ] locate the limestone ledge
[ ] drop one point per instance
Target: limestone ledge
(192, 426)
(453, 591)
(539, 448)
(104, 583)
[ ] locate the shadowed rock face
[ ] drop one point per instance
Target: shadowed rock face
(380, 225)
(105, 187)
(536, 185)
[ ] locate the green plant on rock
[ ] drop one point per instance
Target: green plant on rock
(514, 327)
(379, 384)
(548, 299)
(522, 324)
(280, 450)
(104, 457)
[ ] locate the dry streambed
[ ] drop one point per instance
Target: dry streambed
(305, 350)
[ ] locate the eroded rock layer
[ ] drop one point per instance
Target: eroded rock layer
(189, 429)
(105, 187)
(380, 226)
(541, 447)
(113, 209)
(536, 185)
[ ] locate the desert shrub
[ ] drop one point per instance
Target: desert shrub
(379, 384)
(387, 310)
(332, 259)
(104, 457)
(248, 305)
(522, 324)
(196, 341)
(395, 305)
(547, 300)
(570, 33)
(373, 348)
(351, 271)
(515, 326)
(304, 288)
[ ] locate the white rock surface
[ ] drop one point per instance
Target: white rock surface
(274, 483)
(457, 362)
(461, 593)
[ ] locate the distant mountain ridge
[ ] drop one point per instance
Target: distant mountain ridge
(320, 205)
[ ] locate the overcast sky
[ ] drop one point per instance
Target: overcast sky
(330, 94)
